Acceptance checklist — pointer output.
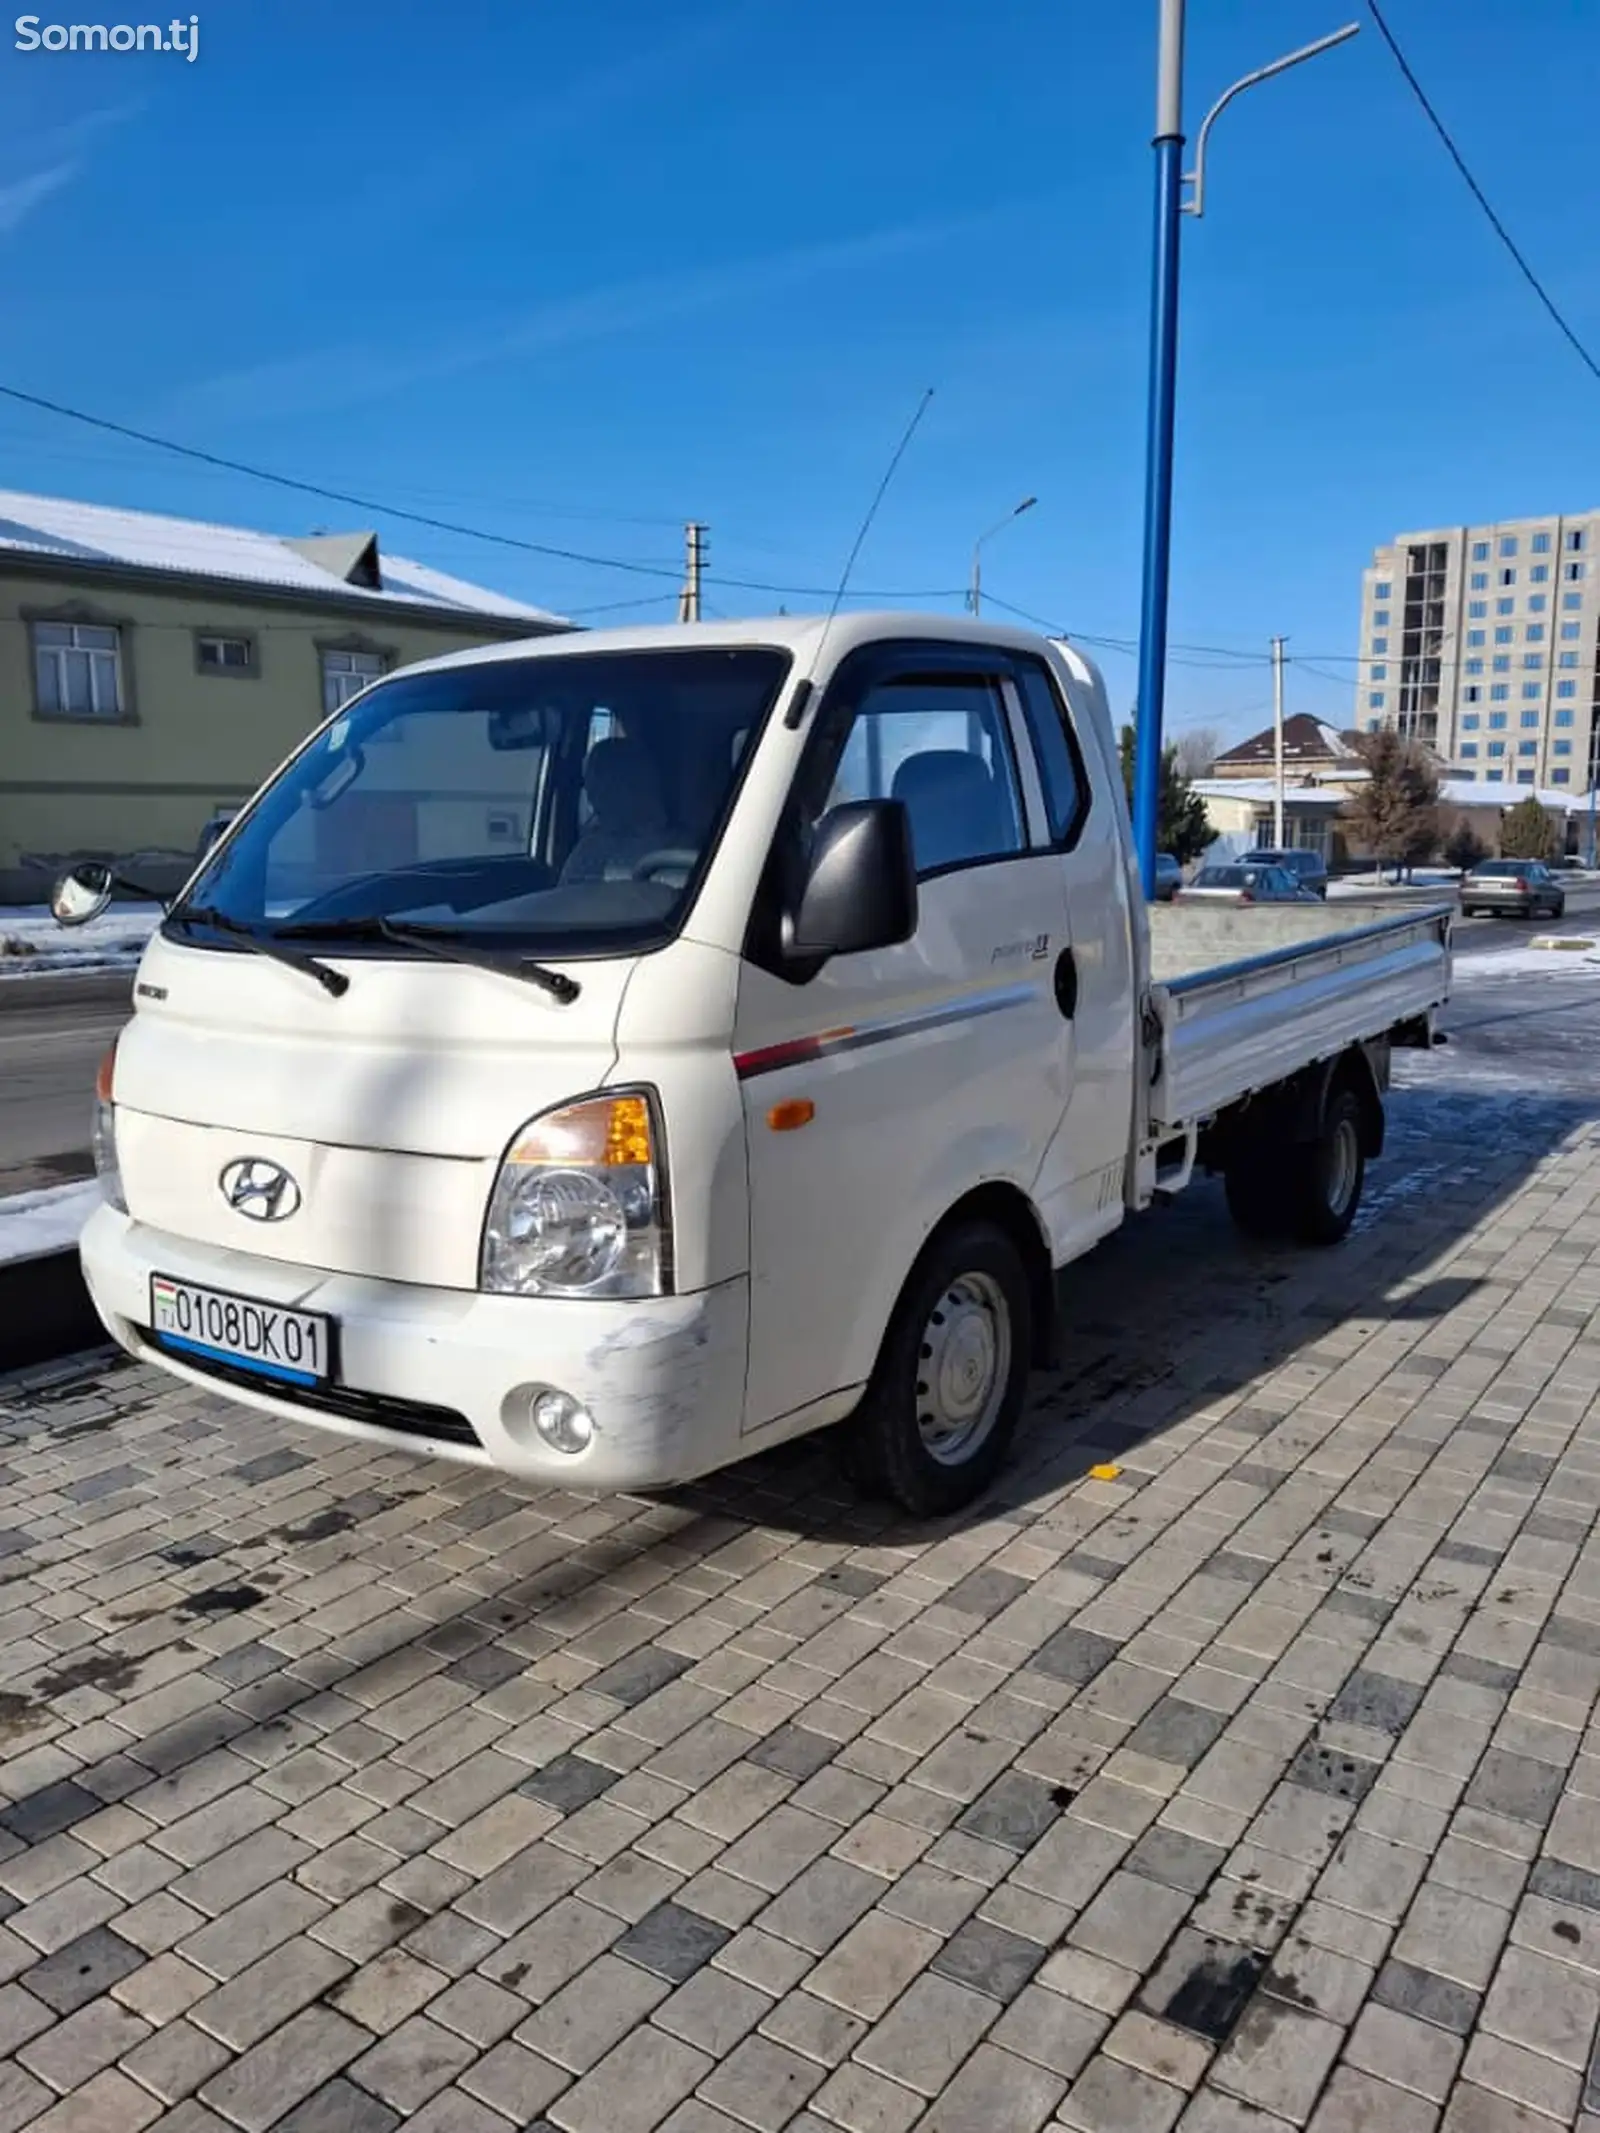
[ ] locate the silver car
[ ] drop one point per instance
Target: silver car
(1245, 883)
(1518, 888)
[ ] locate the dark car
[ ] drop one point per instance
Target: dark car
(1514, 888)
(1169, 877)
(1245, 883)
(1310, 869)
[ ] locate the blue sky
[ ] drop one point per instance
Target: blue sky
(577, 273)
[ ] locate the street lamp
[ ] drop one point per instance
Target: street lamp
(1170, 207)
(975, 589)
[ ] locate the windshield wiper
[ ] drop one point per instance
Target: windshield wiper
(331, 980)
(435, 940)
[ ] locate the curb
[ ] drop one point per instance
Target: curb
(1571, 944)
(45, 1312)
(90, 988)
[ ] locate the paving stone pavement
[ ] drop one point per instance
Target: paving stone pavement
(1257, 1788)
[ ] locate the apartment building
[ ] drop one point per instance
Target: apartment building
(1481, 642)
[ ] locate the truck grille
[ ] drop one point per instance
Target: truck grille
(408, 1418)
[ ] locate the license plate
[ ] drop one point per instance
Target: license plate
(263, 1338)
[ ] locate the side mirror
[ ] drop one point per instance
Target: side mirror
(861, 888)
(81, 894)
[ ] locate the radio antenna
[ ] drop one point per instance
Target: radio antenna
(802, 696)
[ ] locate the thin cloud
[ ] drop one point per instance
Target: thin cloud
(19, 199)
(353, 374)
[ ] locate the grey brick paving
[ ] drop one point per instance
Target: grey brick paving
(1256, 1789)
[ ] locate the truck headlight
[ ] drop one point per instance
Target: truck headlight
(103, 1136)
(579, 1207)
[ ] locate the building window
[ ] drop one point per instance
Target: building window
(1380, 645)
(1497, 747)
(1534, 633)
(217, 654)
(1501, 662)
(1563, 718)
(1375, 702)
(77, 670)
(1474, 666)
(1524, 777)
(1572, 572)
(1577, 540)
(1540, 544)
(1570, 632)
(1472, 722)
(1475, 637)
(1561, 747)
(1566, 659)
(1505, 607)
(1566, 688)
(1571, 603)
(1493, 777)
(1508, 577)
(1469, 748)
(1497, 695)
(1379, 673)
(346, 674)
(1537, 603)
(1374, 725)
(1532, 660)
(1503, 633)
(1531, 693)
(1561, 777)
(1529, 718)
(1508, 544)
(1480, 551)
(1476, 610)
(1540, 574)
(1526, 748)
(1479, 581)
(1380, 592)
(1380, 618)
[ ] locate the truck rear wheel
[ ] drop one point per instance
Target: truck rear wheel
(945, 1398)
(1327, 1175)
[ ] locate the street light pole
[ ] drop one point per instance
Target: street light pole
(1159, 418)
(1277, 744)
(975, 586)
(1594, 778)
(1170, 207)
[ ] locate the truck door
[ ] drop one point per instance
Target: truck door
(881, 1088)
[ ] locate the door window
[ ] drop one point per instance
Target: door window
(940, 746)
(1066, 789)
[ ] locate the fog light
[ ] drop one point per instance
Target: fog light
(563, 1422)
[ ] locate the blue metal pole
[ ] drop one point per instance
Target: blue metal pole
(1158, 448)
(1594, 766)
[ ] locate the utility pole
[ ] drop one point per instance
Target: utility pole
(695, 547)
(1277, 744)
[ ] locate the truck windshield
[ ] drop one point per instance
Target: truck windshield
(554, 804)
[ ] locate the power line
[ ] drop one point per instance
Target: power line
(1478, 194)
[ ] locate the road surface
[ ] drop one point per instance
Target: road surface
(48, 1058)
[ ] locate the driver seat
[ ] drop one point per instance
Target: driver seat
(629, 820)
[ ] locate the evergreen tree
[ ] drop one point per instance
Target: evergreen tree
(1181, 825)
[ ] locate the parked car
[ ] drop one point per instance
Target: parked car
(1169, 877)
(609, 1167)
(1512, 888)
(1310, 869)
(1245, 883)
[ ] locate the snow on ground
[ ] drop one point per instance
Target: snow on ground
(33, 1223)
(1527, 962)
(33, 945)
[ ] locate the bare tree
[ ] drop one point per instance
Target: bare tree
(1197, 751)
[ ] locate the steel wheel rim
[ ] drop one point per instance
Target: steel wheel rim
(963, 1366)
(1344, 1163)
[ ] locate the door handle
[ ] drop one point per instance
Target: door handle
(1066, 983)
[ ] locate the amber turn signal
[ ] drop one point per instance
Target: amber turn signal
(788, 1117)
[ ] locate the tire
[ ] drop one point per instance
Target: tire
(1559, 908)
(951, 1376)
(1326, 1176)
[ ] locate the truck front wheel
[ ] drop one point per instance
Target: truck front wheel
(951, 1377)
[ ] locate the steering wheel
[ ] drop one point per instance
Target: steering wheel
(669, 859)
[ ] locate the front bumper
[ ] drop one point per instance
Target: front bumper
(446, 1371)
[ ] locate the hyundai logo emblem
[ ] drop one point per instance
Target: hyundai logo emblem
(263, 1191)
